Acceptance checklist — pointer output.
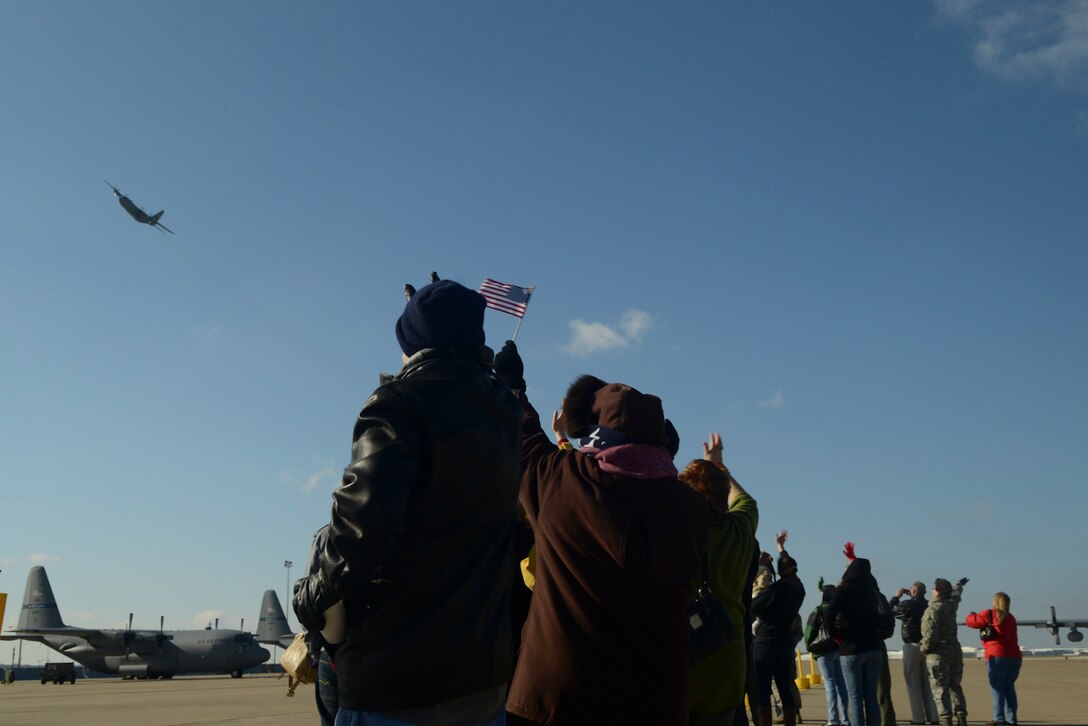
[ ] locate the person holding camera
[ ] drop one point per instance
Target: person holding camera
(910, 611)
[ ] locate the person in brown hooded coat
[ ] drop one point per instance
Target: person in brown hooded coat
(619, 540)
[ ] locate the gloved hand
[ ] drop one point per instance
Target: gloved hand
(961, 582)
(313, 596)
(509, 367)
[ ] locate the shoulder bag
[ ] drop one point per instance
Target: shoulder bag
(824, 642)
(711, 628)
(298, 664)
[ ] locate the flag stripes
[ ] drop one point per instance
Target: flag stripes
(510, 299)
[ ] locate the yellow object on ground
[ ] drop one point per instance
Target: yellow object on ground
(801, 680)
(814, 676)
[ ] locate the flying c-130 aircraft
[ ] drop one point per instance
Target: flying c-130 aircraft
(132, 653)
(136, 213)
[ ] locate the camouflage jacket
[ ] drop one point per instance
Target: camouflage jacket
(939, 629)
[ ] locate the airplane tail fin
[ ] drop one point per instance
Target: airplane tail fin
(39, 606)
(156, 217)
(272, 623)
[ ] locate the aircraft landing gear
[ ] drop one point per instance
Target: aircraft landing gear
(236, 674)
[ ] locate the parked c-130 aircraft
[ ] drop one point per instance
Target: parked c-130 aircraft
(128, 652)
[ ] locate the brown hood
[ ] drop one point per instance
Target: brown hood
(637, 415)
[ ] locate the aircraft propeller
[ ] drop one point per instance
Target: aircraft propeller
(129, 636)
(162, 637)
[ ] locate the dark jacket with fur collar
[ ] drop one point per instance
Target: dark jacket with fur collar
(606, 641)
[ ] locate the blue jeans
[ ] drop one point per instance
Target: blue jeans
(834, 688)
(861, 672)
(326, 691)
(1002, 673)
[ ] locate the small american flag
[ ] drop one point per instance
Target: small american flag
(509, 299)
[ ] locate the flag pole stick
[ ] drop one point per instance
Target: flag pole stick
(528, 296)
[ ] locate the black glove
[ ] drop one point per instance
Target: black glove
(961, 582)
(509, 368)
(313, 596)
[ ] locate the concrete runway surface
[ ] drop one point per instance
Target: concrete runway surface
(1051, 691)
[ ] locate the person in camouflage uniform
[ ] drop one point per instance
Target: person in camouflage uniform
(944, 655)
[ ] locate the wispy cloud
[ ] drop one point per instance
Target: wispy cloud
(201, 619)
(595, 337)
(324, 475)
(1041, 40)
(776, 401)
(40, 558)
(975, 510)
(208, 331)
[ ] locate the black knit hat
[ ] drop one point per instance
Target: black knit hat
(443, 314)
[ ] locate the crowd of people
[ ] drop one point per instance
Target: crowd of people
(476, 571)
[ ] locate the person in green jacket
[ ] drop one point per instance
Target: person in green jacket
(716, 684)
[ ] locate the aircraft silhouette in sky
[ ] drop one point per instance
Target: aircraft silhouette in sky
(135, 212)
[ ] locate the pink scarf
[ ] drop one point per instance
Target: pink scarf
(634, 461)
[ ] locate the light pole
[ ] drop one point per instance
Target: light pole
(287, 610)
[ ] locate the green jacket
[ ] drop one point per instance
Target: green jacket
(717, 682)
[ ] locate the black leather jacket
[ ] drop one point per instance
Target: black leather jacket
(420, 539)
(910, 611)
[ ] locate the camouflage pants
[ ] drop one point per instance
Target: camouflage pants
(945, 675)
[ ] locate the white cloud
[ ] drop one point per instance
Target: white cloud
(205, 617)
(208, 331)
(40, 558)
(634, 323)
(325, 476)
(979, 509)
(774, 402)
(1044, 40)
(595, 337)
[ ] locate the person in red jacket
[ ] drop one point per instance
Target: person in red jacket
(1003, 657)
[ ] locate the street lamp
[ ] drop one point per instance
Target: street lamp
(287, 611)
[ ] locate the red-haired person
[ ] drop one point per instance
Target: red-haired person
(716, 683)
(1003, 657)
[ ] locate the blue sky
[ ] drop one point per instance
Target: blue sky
(849, 236)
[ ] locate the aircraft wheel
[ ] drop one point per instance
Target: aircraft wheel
(236, 674)
(43, 681)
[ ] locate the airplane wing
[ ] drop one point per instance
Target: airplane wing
(1055, 626)
(136, 640)
(93, 636)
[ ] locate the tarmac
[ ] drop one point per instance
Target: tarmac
(1051, 691)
